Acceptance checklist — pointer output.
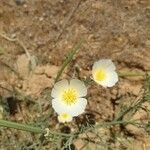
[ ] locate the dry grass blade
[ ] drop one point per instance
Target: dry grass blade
(68, 59)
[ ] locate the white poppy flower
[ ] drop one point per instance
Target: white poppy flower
(68, 97)
(104, 73)
(64, 117)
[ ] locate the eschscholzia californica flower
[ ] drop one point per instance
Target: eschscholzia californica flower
(68, 97)
(64, 117)
(104, 73)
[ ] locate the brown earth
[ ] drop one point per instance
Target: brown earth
(46, 30)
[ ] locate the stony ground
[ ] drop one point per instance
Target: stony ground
(44, 32)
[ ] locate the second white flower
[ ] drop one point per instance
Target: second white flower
(104, 73)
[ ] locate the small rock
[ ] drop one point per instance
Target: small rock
(20, 2)
(41, 19)
(51, 70)
(135, 130)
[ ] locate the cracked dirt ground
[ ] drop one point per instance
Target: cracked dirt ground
(113, 29)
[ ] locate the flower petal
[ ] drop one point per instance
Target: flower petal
(111, 79)
(74, 109)
(58, 106)
(103, 64)
(58, 87)
(108, 67)
(79, 86)
(64, 117)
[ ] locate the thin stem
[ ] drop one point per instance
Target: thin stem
(29, 128)
(18, 42)
(130, 108)
(68, 59)
(20, 126)
(132, 74)
(107, 124)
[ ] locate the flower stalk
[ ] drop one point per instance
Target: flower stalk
(134, 74)
(68, 59)
(29, 128)
(20, 126)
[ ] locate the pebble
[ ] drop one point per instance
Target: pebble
(20, 2)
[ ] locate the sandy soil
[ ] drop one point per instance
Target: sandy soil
(46, 30)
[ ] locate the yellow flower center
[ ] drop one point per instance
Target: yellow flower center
(100, 74)
(69, 96)
(65, 116)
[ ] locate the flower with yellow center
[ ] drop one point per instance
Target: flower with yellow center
(104, 73)
(68, 97)
(64, 117)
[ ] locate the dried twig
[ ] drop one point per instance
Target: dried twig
(18, 42)
(21, 44)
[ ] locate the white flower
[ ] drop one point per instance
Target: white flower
(104, 73)
(68, 97)
(64, 117)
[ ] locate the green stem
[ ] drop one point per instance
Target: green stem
(29, 128)
(108, 124)
(132, 74)
(20, 126)
(68, 60)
